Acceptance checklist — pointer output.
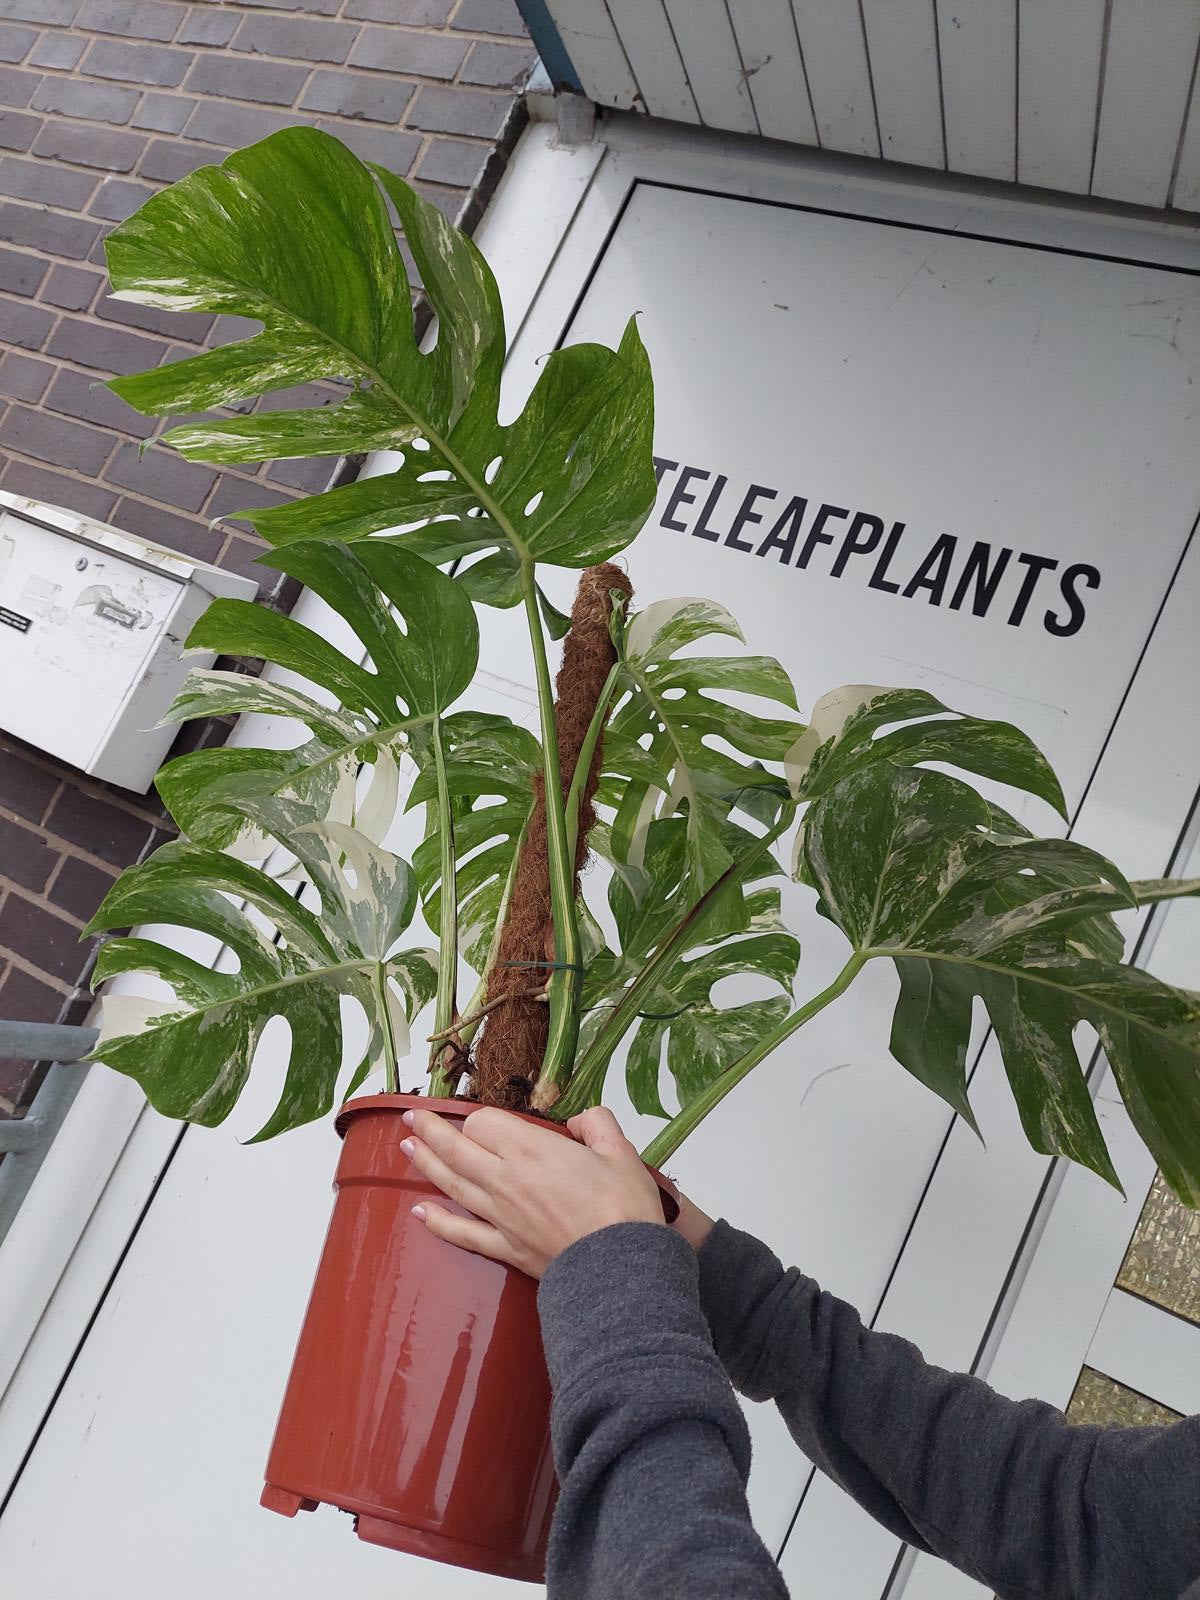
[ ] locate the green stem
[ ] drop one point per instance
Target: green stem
(664, 1145)
(391, 1071)
(564, 982)
(588, 1078)
(447, 995)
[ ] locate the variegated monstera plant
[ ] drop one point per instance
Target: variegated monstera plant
(687, 796)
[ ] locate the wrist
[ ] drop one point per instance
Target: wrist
(692, 1223)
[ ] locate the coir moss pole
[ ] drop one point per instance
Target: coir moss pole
(513, 1038)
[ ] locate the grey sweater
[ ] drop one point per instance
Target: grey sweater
(642, 1342)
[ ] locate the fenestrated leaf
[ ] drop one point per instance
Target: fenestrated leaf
(660, 754)
(741, 935)
(701, 1039)
(419, 665)
(844, 736)
(911, 865)
(294, 232)
(192, 1061)
(490, 773)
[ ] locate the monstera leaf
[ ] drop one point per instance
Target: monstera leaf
(844, 736)
(294, 232)
(740, 935)
(916, 867)
(419, 666)
(658, 753)
(192, 1060)
(490, 776)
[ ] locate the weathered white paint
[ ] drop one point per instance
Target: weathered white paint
(597, 52)
(978, 44)
(1018, 82)
(1061, 50)
(706, 43)
(1150, 63)
(839, 77)
(662, 76)
(771, 59)
(902, 42)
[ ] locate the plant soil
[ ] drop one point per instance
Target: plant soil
(513, 1038)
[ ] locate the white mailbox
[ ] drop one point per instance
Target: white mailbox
(92, 627)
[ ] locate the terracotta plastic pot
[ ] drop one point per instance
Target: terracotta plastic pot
(418, 1398)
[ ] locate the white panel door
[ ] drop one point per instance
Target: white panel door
(997, 458)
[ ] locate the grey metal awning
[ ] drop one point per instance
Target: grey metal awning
(1086, 97)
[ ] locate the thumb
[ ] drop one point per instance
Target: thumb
(600, 1131)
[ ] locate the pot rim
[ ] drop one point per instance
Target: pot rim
(443, 1104)
(364, 1104)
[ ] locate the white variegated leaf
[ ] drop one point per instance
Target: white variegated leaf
(192, 1059)
(417, 627)
(569, 481)
(741, 935)
(846, 734)
(491, 767)
(912, 866)
(664, 752)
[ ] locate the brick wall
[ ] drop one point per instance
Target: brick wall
(101, 103)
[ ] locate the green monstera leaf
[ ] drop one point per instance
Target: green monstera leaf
(490, 773)
(192, 1059)
(419, 631)
(294, 232)
(679, 1022)
(916, 867)
(659, 752)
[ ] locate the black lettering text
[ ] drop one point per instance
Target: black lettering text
(702, 529)
(877, 580)
(986, 579)
(934, 570)
(1089, 577)
(817, 534)
(662, 466)
(863, 535)
(1037, 565)
(680, 497)
(746, 513)
(783, 535)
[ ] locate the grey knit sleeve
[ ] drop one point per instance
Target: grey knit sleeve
(1007, 1491)
(650, 1443)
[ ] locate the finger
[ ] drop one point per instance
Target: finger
(443, 1177)
(462, 1155)
(468, 1233)
(600, 1131)
(500, 1132)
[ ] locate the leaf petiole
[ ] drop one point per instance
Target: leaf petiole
(665, 1143)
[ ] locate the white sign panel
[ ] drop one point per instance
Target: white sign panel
(909, 457)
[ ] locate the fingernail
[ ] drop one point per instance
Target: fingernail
(408, 1146)
(419, 1213)
(407, 1118)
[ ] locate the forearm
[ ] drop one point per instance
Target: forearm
(650, 1443)
(1007, 1491)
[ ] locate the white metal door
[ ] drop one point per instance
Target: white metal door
(984, 373)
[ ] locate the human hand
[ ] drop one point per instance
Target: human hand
(533, 1193)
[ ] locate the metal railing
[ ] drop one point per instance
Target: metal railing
(25, 1140)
